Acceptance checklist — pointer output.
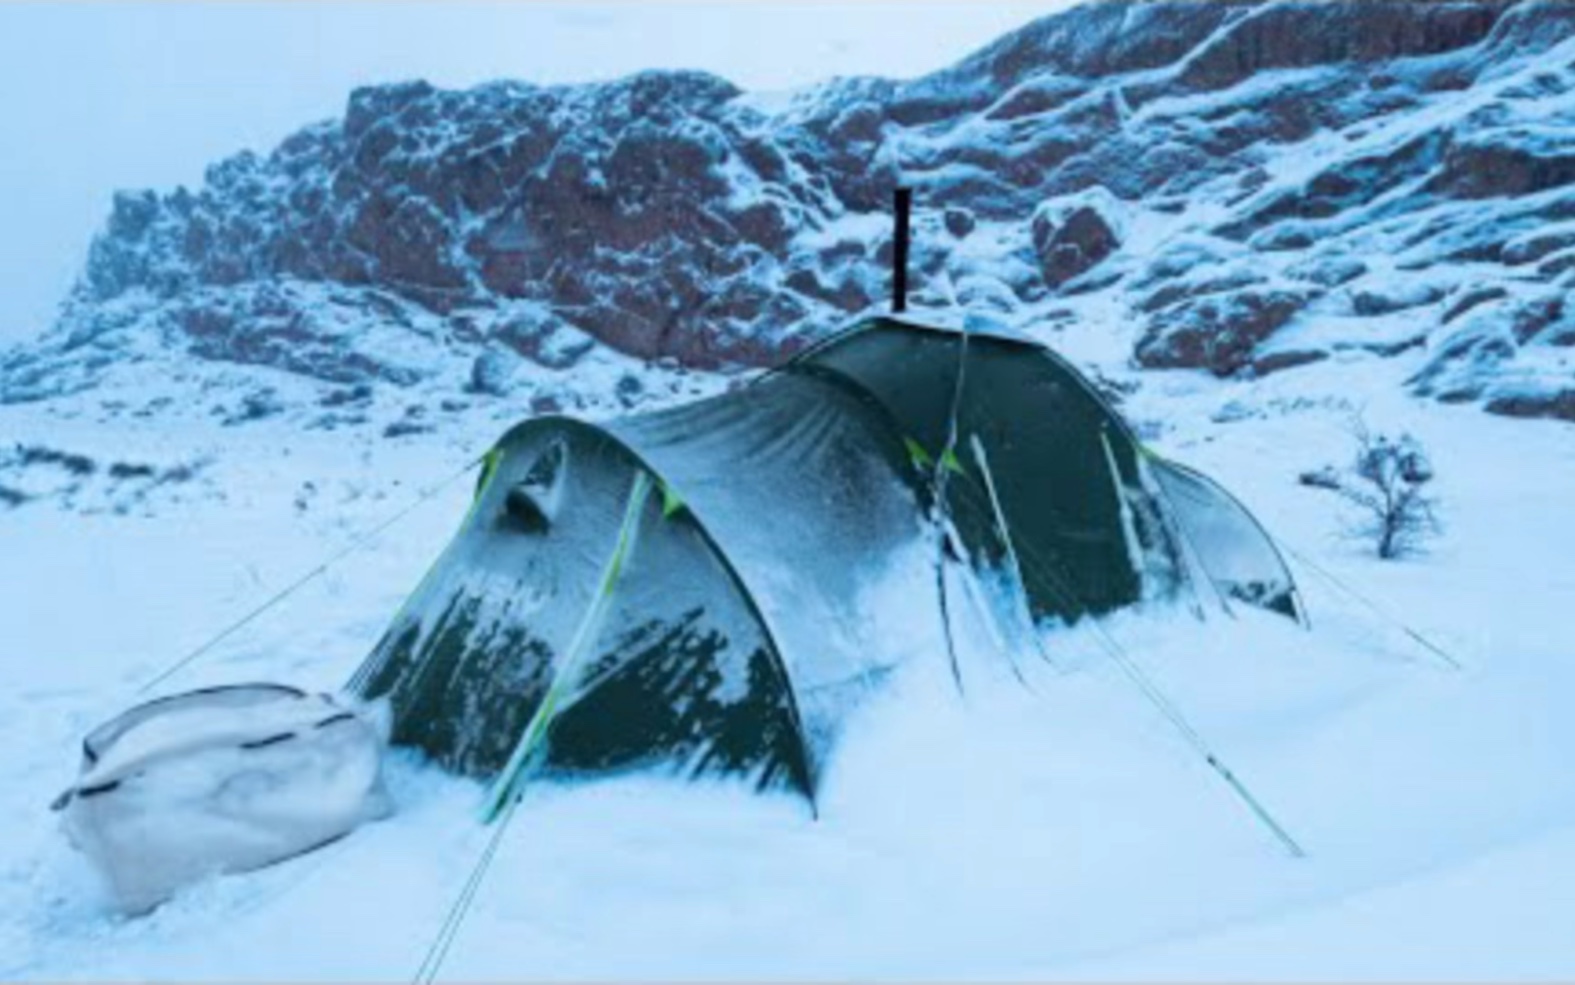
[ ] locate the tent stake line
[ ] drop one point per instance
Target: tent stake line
(437, 951)
(508, 790)
(355, 544)
(1156, 697)
(1449, 661)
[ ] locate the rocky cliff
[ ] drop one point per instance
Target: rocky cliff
(1244, 188)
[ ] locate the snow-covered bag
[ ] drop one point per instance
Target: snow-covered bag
(224, 779)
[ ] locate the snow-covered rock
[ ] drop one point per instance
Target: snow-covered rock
(1073, 236)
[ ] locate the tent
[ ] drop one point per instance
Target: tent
(691, 589)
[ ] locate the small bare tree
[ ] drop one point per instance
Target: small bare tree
(1388, 481)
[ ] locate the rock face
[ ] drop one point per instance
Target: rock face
(1259, 184)
(1218, 332)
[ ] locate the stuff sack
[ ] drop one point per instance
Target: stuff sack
(224, 779)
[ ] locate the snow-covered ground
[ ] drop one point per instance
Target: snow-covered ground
(1062, 832)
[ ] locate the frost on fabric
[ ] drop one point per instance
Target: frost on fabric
(797, 488)
(1233, 550)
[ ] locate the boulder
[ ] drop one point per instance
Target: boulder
(1071, 238)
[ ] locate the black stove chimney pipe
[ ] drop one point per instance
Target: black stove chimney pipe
(899, 255)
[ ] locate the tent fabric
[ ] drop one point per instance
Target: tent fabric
(1064, 464)
(803, 451)
(742, 632)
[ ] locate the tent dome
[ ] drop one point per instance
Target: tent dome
(721, 623)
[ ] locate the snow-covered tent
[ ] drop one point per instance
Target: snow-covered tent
(690, 588)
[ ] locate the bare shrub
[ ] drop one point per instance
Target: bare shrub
(1387, 481)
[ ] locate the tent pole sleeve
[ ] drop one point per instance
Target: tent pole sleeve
(1004, 531)
(355, 543)
(975, 594)
(510, 781)
(1124, 511)
(1192, 567)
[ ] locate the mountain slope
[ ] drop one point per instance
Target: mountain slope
(1246, 187)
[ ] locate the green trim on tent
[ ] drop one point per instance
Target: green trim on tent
(949, 461)
(671, 501)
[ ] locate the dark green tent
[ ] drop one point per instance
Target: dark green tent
(721, 623)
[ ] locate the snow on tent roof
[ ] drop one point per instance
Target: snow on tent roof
(739, 632)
